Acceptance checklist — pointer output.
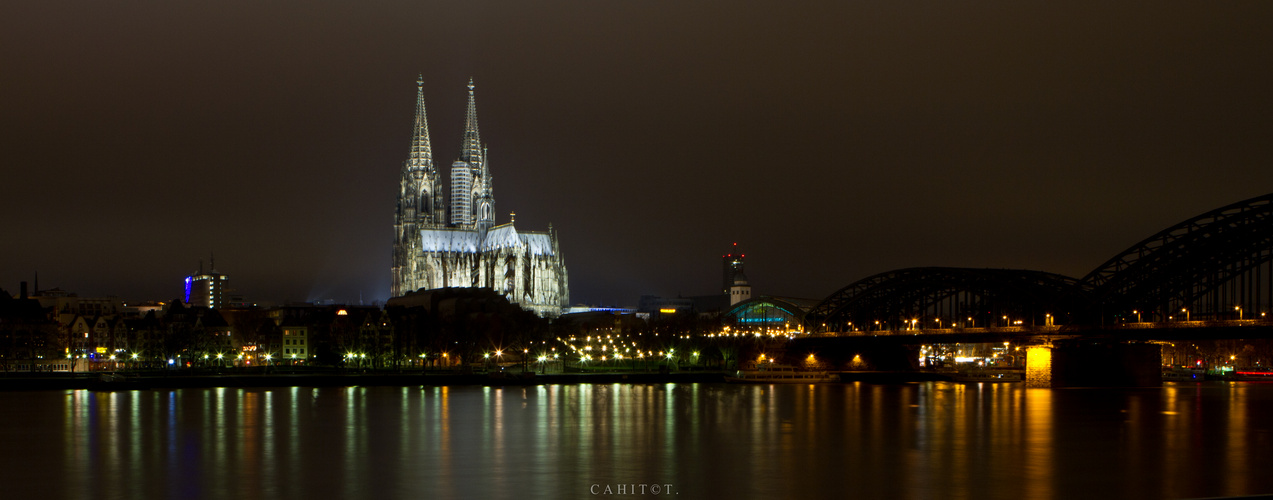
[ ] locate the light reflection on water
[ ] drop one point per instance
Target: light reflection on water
(929, 440)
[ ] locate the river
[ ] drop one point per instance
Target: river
(857, 440)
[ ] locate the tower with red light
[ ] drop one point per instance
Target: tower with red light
(733, 280)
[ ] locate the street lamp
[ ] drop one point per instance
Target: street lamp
(1239, 310)
(1137, 313)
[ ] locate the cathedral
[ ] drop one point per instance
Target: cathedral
(441, 245)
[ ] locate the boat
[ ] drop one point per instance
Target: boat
(1183, 375)
(991, 376)
(1257, 374)
(780, 375)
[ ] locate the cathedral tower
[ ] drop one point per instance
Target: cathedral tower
(472, 205)
(420, 201)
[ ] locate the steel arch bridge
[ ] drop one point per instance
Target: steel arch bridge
(1212, 266)
(1215, 266)
(946, 297)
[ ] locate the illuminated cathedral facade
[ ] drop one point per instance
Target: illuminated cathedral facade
(441, 245)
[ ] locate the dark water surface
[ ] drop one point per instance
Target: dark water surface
(926, 440)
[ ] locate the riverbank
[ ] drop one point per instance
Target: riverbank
(132, 381)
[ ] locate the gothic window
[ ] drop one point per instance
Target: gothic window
(510, 273)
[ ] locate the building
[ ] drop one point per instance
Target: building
(468, 249)
(210, 289)
(734, 281)
(296, 345)
(29, 336)
(762, 313)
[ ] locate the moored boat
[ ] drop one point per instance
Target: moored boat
(1183, 375)
(990, 376)
(780, 375)
(1258, 374)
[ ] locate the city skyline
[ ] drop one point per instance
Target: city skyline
(832, 142)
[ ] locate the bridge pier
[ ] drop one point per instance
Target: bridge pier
(1076, 363)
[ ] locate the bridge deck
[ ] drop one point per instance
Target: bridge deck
(1165, 330)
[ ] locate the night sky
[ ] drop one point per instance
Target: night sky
(831, 140)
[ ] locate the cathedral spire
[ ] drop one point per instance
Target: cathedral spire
(486, 175)
(421, 151)
(471, 150)
(485, 199)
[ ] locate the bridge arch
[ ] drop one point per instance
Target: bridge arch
(949, 297)
(1209, 267)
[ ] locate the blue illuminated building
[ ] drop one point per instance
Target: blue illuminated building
(769, 312)
(210, 289)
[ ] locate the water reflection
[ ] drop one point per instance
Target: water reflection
(930, 440)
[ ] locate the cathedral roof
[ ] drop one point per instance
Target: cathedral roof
(468, 241)
(449, 240)
(504, 236)
(538, 243)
